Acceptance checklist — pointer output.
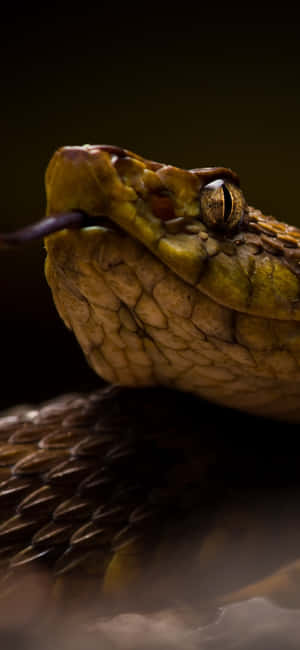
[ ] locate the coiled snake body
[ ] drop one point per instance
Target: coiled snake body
(168, 279)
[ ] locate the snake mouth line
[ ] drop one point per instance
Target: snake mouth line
(99, 221)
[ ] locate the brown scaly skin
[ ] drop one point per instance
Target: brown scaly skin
(107, 490)
(156, 293)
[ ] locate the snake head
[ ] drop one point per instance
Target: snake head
(167, 276)
(167, 209)
(196, 222)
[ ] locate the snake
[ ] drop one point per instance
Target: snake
(185, 300)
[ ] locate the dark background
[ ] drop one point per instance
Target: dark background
(214, 90)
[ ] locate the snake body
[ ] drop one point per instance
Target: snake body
(174, 282)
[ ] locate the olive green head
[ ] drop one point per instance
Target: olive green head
(195, 222)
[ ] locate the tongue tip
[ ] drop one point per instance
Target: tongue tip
(42, 228)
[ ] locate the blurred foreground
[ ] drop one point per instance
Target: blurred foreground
(254, 624)
(220, 567)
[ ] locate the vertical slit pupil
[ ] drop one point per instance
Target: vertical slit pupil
(227, 203)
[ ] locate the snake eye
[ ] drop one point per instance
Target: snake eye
(222, 205)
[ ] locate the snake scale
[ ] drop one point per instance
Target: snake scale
(168, 279)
